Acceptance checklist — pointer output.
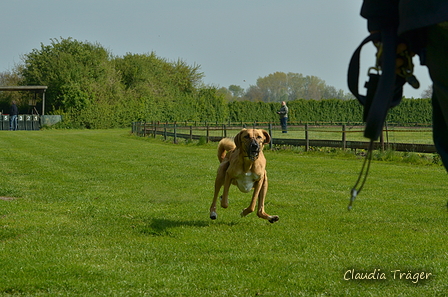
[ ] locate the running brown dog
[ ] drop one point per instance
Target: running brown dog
(243, 164)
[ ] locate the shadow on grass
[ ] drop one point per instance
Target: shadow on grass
(162, 227)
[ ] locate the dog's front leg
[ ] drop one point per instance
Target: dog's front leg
(261, 199)
(251, 208)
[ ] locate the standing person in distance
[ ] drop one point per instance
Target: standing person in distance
(13, 116)
(283, 112)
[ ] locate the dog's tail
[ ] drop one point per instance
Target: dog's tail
(225, 145)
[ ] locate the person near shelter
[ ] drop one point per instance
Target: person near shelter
(13, 116)
(423, 27)
(283, 112)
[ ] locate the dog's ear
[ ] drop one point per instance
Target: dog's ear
(237, 139)
(267, 137)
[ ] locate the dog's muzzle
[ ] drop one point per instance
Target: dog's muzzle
(253, 150)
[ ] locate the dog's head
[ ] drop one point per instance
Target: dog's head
(251, 141)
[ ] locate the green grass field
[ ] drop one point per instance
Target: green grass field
(104, 213)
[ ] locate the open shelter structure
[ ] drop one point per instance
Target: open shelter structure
(35, 89)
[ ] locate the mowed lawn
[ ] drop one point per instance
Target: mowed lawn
(104, 213)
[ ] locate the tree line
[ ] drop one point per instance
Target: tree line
(410, 111)
(91, 88)
(280, 86)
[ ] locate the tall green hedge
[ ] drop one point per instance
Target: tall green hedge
(412, 111)
(330, 110)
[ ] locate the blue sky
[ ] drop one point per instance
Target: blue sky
(234, 42)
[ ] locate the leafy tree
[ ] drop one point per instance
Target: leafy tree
(280, 86)
(427, 93)
(71, 69)
(274, 87)
(93, 89)
(236, 91)
(254, 93)
(226, 93)
(7, 79)
(167, 90)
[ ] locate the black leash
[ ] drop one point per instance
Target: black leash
(367, 160)
(384, 91)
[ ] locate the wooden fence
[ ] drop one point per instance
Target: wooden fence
(215, 132)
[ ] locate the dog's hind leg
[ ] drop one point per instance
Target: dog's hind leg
(219, 182)
(225, 192)
(218, 185)
(213, 214)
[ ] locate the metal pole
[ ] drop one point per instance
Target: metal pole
(43, 103)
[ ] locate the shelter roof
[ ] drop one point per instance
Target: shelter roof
(25, 88)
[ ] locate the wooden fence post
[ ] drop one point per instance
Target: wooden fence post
(191, 133)
(152, 128)
(344, 143)
(164, 131)
(224, 132)
(307, 140)
(272, 138)
(208, 133)
(175, 132)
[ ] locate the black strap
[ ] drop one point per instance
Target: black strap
(384, 91)
(353, 68)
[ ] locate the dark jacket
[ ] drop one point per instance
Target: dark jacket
(14, 110)
(406, 15)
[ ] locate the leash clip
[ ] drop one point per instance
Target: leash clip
(354, 193)
(407, 69)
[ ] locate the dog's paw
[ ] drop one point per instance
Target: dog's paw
(273, 219)
(224, 204)
(213, 215)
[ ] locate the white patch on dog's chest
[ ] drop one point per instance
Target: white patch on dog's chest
(245, 181)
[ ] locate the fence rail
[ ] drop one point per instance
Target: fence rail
(215, 132)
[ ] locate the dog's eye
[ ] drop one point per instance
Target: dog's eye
(247, 136)
(259, 137)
